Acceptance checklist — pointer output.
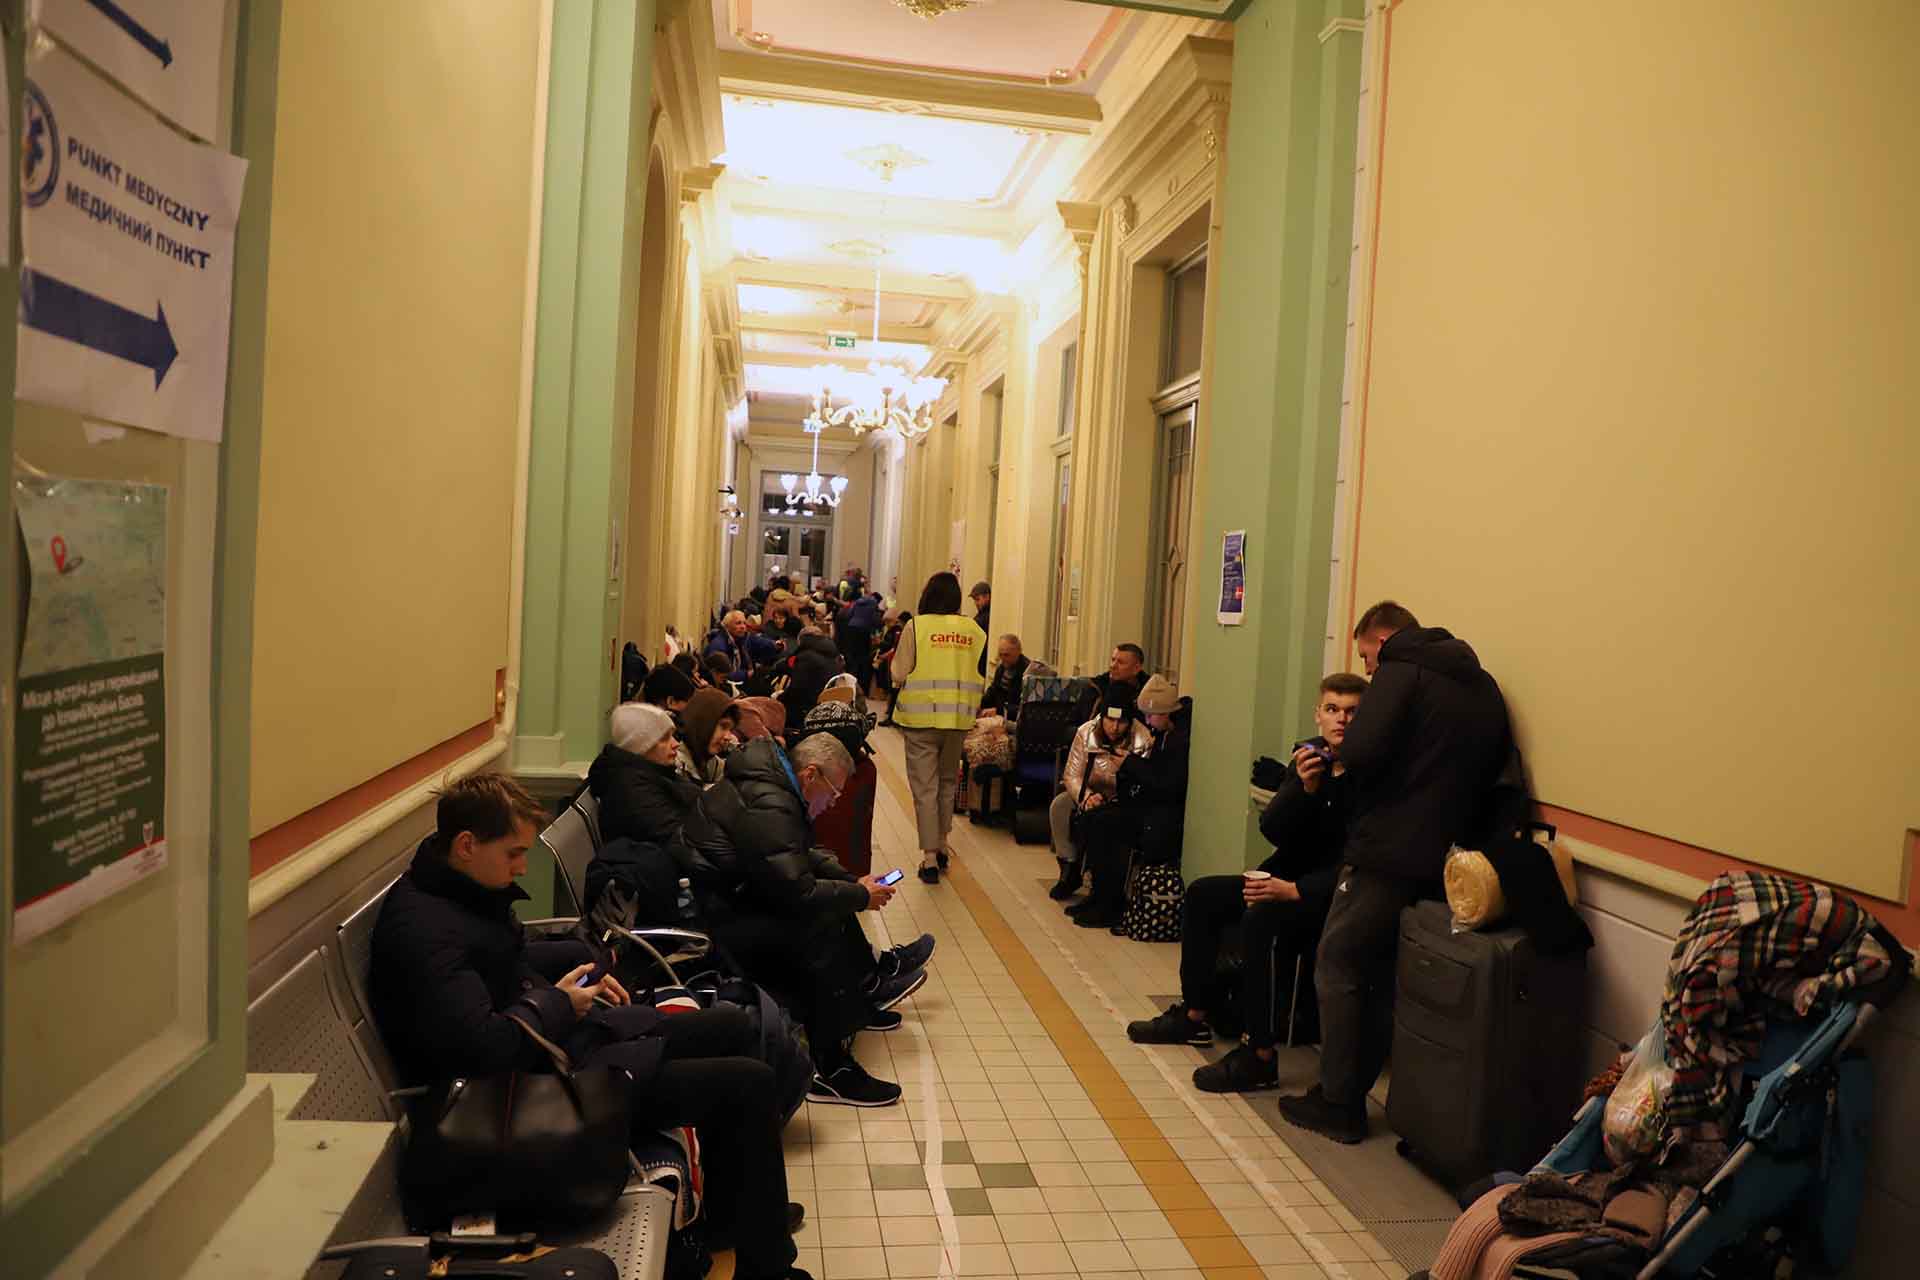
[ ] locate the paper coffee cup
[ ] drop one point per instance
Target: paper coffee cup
(1258, 875)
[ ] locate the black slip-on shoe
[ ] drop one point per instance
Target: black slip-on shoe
(850, 1086)
(1311, 1111)
(884, 1020)
(1171, 1027)
(1067, 885)
(943, 857)
(929, 875)
(1097, 918)
(1240, 1071)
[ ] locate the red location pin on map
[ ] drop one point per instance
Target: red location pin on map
(60, 554)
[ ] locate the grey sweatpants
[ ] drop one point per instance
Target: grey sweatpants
(933, 775)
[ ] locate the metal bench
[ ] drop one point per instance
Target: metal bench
(317, 1021)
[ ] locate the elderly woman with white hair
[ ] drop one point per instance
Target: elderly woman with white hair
(642, 795)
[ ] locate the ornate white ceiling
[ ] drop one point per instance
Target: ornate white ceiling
(1033, 41)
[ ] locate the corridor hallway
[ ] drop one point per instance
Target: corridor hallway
(1034, 1139)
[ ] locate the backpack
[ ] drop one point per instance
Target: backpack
(1153, 904)
(781, 1046)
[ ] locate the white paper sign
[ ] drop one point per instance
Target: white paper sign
(171, 53)
(126, 278)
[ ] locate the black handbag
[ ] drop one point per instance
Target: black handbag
(535, 1149)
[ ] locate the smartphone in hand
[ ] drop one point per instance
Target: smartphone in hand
(892, 877)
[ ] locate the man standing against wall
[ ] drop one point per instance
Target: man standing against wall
(1424, 750)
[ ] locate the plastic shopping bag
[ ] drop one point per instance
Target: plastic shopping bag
(1636, 1118)
(1473, 890)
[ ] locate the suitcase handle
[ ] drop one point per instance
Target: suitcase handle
(1552, 832)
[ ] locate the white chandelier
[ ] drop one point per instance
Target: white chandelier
(814, 489)
(884, 398)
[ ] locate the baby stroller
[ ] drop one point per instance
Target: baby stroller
(1796, 1138)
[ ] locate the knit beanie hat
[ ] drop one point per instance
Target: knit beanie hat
(1119, 704)
(639, 726)
(1159, 698)
(843, 722)
(665, 682)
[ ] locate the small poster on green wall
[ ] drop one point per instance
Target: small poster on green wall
(90, 732)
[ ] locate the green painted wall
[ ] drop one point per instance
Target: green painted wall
(595, 180)
(41, 1225)
(1279, 319)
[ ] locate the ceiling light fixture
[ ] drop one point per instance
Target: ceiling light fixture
(884, 398)
(815, 489)
(931, 9)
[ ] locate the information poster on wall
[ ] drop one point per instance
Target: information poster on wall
(1233, 578)
(126, 274)
(90, 729)
(169, 52)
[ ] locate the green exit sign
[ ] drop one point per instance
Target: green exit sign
(840, 341)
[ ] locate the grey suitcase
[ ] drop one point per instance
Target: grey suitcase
(1487, 1061)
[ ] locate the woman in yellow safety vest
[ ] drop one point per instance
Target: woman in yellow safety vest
(936, 667)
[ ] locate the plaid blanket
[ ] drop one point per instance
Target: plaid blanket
(1752, 944)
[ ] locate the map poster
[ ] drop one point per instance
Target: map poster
(90, 729)
(1233, 578)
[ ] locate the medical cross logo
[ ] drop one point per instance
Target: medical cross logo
(39, 150)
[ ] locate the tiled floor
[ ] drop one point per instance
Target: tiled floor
(1034, 1139)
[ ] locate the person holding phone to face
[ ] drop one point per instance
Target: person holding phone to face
(1278, 908)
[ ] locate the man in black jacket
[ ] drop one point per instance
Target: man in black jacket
(1279, 910)
(1425, 752)
(785, 910)
(1010, 670)
(457, 988)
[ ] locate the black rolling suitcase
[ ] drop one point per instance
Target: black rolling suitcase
(1488, 1058)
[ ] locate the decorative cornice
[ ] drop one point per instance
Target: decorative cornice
(698, 181)
(980, 98)
(1197, 76)
(1125, 215)
(685, 84)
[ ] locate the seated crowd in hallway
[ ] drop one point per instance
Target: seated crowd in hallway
(713, 793)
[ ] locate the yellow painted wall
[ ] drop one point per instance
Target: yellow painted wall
(1642, 421)
(401, 196)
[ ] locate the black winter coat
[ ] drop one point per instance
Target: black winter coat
(751, 828)
(1307, 832)
(1003, 691)
(814, 663)
(451, 963)
(640, 800)
(1425, 749)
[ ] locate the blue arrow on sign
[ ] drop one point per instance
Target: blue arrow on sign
(152, 43)
(56, 307)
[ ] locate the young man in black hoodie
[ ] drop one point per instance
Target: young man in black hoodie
(1279, 909)
(1425, 752)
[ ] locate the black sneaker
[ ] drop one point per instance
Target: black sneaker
(889, 992)
(1171, 1027)
(851, 1086)
(1067, 885)
(906, 957)
(1311, 1111)
(1241, 1071)
(883, 1020)
(1101, 917)
(1081, 907)
(930, 875)
(941, 858)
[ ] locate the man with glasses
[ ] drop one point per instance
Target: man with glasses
(785, 909)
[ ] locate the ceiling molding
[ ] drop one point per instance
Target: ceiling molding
(1195, 81)
(945, 95)
(820, 326)
(1218, 10)
(685, 83)
(893, 283)
(860, 211)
